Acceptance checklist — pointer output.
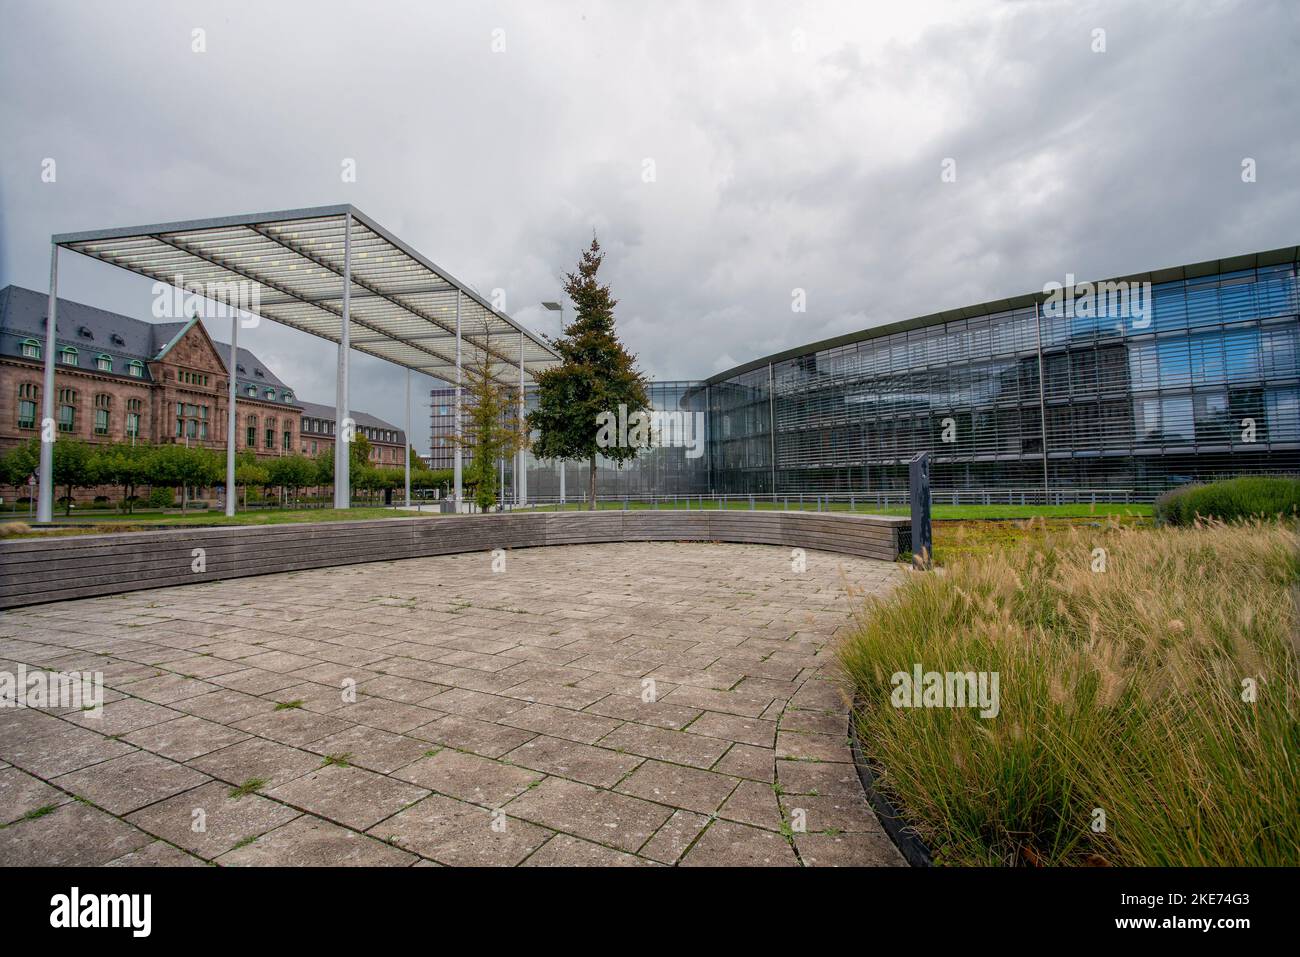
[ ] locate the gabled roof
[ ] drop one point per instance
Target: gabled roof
(167, 334)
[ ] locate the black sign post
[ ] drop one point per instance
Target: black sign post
(919, 484)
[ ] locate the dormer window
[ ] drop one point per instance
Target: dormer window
(242, 370)
(31, 349)
(68, 356)
(104, 362)
(251, 392)
(270, 395)
(117, 340)
(85, 332)
(135, 369)
(288, 397)
(259, 373)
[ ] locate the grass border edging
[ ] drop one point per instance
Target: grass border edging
(900, 832)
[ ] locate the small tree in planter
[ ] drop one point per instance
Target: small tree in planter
(493, 426)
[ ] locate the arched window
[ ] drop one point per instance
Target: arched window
(251, 434)
(135, 369)
(104, 362)
(68, 356)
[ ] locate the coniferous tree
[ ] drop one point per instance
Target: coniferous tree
(596, 376)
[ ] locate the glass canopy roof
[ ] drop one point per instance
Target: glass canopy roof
(290, 265)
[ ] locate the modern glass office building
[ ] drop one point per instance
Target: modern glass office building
(1153, 380)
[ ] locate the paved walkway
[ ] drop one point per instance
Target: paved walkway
(499, 717)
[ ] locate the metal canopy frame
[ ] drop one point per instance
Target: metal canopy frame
(330, 271)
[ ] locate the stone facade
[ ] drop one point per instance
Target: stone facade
(119, 379)
(184, 401)
(318, 427)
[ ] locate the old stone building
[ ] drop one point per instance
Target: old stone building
(120, 379)
(318, 427)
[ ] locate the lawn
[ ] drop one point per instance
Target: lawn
(938, 511)
(1149, 706)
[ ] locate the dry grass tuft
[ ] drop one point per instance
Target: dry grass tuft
(1121, 690)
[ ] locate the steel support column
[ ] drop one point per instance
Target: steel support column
(342, 426)
(521, 459)
(1042, 400)
(458, 437)
(771, 420)
(49, 430)
(406, 444)
(232, 421)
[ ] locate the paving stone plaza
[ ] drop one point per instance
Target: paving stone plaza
(645, 703)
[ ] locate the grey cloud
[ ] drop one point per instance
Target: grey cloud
(776, 169)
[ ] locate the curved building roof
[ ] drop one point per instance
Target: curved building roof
(1272, 257)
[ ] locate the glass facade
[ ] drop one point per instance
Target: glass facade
(669, 470)
(1197, 379)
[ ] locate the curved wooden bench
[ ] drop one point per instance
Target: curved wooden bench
(34, 570)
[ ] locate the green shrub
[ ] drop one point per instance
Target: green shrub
(161, 497)
(1251, 496)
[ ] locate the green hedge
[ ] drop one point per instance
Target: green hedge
(1251, 496)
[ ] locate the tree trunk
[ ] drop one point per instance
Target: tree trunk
(591, 486)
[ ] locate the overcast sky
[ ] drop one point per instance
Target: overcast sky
(727, 154)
